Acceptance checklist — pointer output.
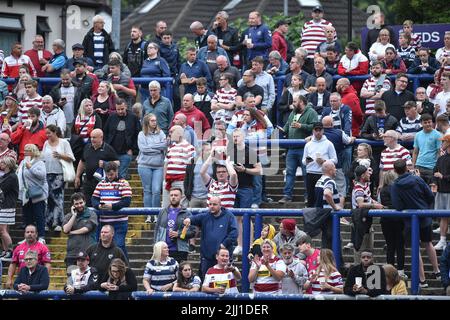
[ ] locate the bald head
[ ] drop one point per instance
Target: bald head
(343, 82)
(97, 138)
(328, 168)
(180, 120)
(188, 101)
(4, 141)
(214, 204)
(321, 84)
(327, 122)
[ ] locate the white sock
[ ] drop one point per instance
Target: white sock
(443, 239)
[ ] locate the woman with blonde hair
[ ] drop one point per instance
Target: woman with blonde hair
(33, 188)
(394, 284)
(161, 270)
(326, 279)
(121, 281)
(152, 148)
(378, 49)
(104, 100)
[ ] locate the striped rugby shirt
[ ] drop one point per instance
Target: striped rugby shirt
(111, 192)
(160, 273)
(224, 190)
(389, 156)
(216, 277)
(265, 283)
(313, 34)
(370, 85)
(179, 155)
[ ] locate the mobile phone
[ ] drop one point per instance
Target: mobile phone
(308, 158)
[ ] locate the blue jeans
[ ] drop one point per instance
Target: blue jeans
(34, 213)
(244, 198)
(347, 163)
(151, 179)
(257, 190)
(293, 161)
(125, 160)
(120, 232)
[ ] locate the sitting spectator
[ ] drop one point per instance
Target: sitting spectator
(19, 87)
(193, 69)
(211, 52)
(289, 233)
(349, 97)
(392, 63)
(424, 63)
(104, 101)
(326, 279)
(195, 118)
(378, 49)
(267, 272)
(78, 53)
(223, 102)
(186, 280)
(170, 51)
(249, 86)
(9, 114)
(32, 99)
(394, 283)
(222, 278)
(296, 274)
(56, 63)
(331, 40)
(160, 106)
(9, 186)
(374, 87)
(332, 60)
(33, 176)
(416, 38)
(377, 124)
(83, 278)
(397, 96)
(101, 254)
(112, 194)
(405, 51)
(353, 62)
(277, 66)
(152, 144)
(320, 71)
(203, 98)
(320, 98)
(33, 277)
(154, 66)
(267, 232)
(358, 277)
(286, 104)
(409, 125)
(31, 243)
(104, 71)
(296, 67)
(80, 225)
(161, 270)
(121, 281)
(423, 104)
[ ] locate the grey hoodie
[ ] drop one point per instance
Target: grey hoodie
(152, 149)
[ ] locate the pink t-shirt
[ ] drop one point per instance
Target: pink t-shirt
(23, 248)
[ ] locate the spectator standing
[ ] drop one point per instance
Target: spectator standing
(159, 105)
(332, 60)
(416, 38)
(409, 125)
(312, 258)
(228, 36)
(218, 229)
(122, 83)
(78, 53)
(210, 52)
(320, 71)
(378, 23)
(350, 98)
(380, 122)
(9, 113)
(87, 84)
(286, 103)
(296, 274)
(56, 63)
(136, 51)
(180, 120)
(98, 43)
(104, 101)
(202, 99)
(313, 31)
(83, 278)
(152, 145)
(80, 225)
(195, 118)
(405, 51)
(353, 62)
(256, 39)
(161, 270)
(222, 278)
(443, 97)
(444, 265)
(277, 66)
(51, 114)
(191, 70)
(160, 27)
(32, 99)
(201, 34)
(112, 194)
(33, 277)
(12, 63)
(249, 86)
(121, 132)
(374, 87)
(169, 227)
(396, 98)
(296, 67)
(223, 67)
(154, 66)
(170, 52)
(39, 55)
(443, 53)
(121, 281)
(279, 42)
(223, 102)
(9, 186)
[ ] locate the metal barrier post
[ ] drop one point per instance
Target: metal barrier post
(245, 247)
(336, 243)
(415, 252)
(258, 225)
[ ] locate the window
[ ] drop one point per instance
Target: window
(11, 28)
(149, 6)
(42, 27)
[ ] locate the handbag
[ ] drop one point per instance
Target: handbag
(68, 170)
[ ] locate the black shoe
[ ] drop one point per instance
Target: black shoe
(191, 248)
(437, 275)
(7, 257)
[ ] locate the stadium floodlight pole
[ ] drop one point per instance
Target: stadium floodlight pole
(285, 8)
(115, 34)
(349, 20)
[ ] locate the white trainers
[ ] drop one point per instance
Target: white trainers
(299, 172)
(149, 219)
(344, 221)
(440, 245)
(349, 245)
(437, 230)
(237, 251)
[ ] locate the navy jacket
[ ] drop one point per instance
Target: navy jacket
(157, 67)
(261, 39)
(38, 280)
(433, 65)
(345, 113)
(313, 98)
(172, 55)
(216, 231)
(445, 267)
(198, 69)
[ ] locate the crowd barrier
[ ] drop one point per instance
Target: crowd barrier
(165, 296)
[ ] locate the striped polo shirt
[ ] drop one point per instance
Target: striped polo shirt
(361, 190)
(370, 85)
(160, 273)
(217, 277)
(179, 155)
(313, 34)
(26, 104)
(334, 280)
(325, 182)
(224, 190)
(389, 156)
(407, 125)
(111, 192)
(265, 283)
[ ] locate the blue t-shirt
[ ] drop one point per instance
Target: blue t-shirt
(172, 225)
(428, 145)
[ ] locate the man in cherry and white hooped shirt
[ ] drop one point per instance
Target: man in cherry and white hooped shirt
(313, 31)
(224, 101)
(179, 154)
(374, 87)
(416, 38)
(443, 54)
(11, 64)
(32, 99)
(223, 277)
(393, 152)
(226, 185)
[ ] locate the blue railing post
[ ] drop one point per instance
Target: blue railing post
(415, 252)
(258, 225)
(245, 247)
(336, 242)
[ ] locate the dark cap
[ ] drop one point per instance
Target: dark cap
(82, 255)
(79, 61)
(318, 125)
(317, 8)
(12, 96)
(282, 22)
(77, 46)
(360, 170)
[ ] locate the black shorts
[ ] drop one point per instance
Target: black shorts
(425, 234)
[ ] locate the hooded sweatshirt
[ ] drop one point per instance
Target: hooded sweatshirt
(350, 98)
(256, 247)
(411, 192)
(322, 146)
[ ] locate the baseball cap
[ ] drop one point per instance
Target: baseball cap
(360, 170)
(318, 8)
(282, 22)
(445, 138)
(82, 255)
(77, 46)
(12, 96)
(79, 61)
(288, 225)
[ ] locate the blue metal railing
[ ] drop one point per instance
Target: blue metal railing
(414, 215)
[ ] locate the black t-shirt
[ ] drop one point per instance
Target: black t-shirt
(119, 142)
(247, 157)
(255, 90)
(91, 157)
(101, 257)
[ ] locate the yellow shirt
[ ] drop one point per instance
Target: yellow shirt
(399, 289)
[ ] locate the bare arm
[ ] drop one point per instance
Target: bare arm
(414, 156)
(204, 169)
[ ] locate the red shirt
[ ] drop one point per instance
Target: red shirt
(23, 248)
(23, 136)
(196, 119)
(279, 43)
(350, 98)
(33, 54)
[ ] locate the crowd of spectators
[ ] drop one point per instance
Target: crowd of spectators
(191, 153)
